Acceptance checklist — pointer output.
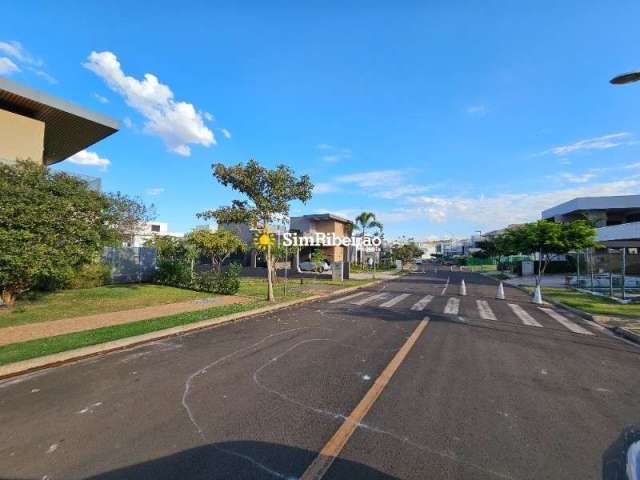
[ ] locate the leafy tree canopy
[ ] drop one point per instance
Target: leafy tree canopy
(218, 246)
(50, 224)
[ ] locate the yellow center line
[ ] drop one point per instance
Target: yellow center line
(334, 446)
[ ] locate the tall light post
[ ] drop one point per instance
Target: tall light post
(625, 78)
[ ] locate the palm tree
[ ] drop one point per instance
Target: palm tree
(366, 221)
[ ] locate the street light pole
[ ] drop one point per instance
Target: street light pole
(625, 78)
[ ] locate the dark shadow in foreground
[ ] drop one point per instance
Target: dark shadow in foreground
(614, 460)
(238, 460)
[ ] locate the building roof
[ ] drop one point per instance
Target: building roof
(319, 217)
(593, 203)
(68, 127)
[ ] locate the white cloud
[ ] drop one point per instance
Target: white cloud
(598, 143)
(320, 188)
(502, 209)
(401, 190)
(20, 54)
(387, 184)
(7, 67)
(179, 124)
(155, 191)
(333, 154)
(577, 178)
(17, 51)
(100, 98)
(208, 117)
(91, 159)
(43, 74)
(375, 178)
(477, 110)
(127, 122)
(226, 133)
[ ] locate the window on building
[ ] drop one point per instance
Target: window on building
(155, 228)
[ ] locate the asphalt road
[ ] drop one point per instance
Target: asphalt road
(490, 390)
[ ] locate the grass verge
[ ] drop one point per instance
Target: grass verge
(592, 304)
(40, 307)
(16, 352)
(255, 289)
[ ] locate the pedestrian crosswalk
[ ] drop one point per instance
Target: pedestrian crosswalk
(493, 310)
(523, 315)
(485, 310)
(394, 300)
(422, 303)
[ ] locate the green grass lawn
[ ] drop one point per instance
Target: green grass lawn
(592, 303)
(72, 303)
(254, 288)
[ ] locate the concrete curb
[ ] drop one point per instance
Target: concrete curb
(47, 361)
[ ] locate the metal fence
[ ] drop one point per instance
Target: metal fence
(613, 272)
(130, 264)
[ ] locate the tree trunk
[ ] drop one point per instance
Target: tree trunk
(269, 279)
(8, 298)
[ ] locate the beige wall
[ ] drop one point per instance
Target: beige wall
(20, 137)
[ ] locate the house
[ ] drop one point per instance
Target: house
(150, 229)
(327, 223)
(617, 218)
(44, 129)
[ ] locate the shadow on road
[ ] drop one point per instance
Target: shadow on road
(238, 460)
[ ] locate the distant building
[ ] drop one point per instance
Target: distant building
(150, 230)
(325, 223)
(617, 218)
(44, 129)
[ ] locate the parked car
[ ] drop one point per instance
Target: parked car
(310, 267)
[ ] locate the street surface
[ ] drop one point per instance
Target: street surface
(491, 389)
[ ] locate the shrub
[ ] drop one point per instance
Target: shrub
(173, 272)
(226, 282)
(89, 276)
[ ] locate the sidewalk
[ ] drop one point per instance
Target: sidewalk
(548, 281)
(33, 331)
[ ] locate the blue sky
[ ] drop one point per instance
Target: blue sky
(441, 117)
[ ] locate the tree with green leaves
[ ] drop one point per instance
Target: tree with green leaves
(130, 214)
(406, 253)
(499, 246)
(318, 257)
(51, 224)
(268, 193)
(218, 245)
(547, 239)
(364, 222)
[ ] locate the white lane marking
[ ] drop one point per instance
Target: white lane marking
(422, 303)
(393, 301)
(485, 310)
(523, 315)
(445, 286)
(371, 298)
(348, 297)
(453, 306)
(566, 322)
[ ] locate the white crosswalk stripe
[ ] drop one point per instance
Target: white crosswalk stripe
(485, 310)
(348, 297)
(566, 322)
(523, 315)
(453, 306)
(378, 296)
(422, 303)
(393, 301)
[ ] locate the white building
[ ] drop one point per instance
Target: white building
(151, 229)
(617, 217)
